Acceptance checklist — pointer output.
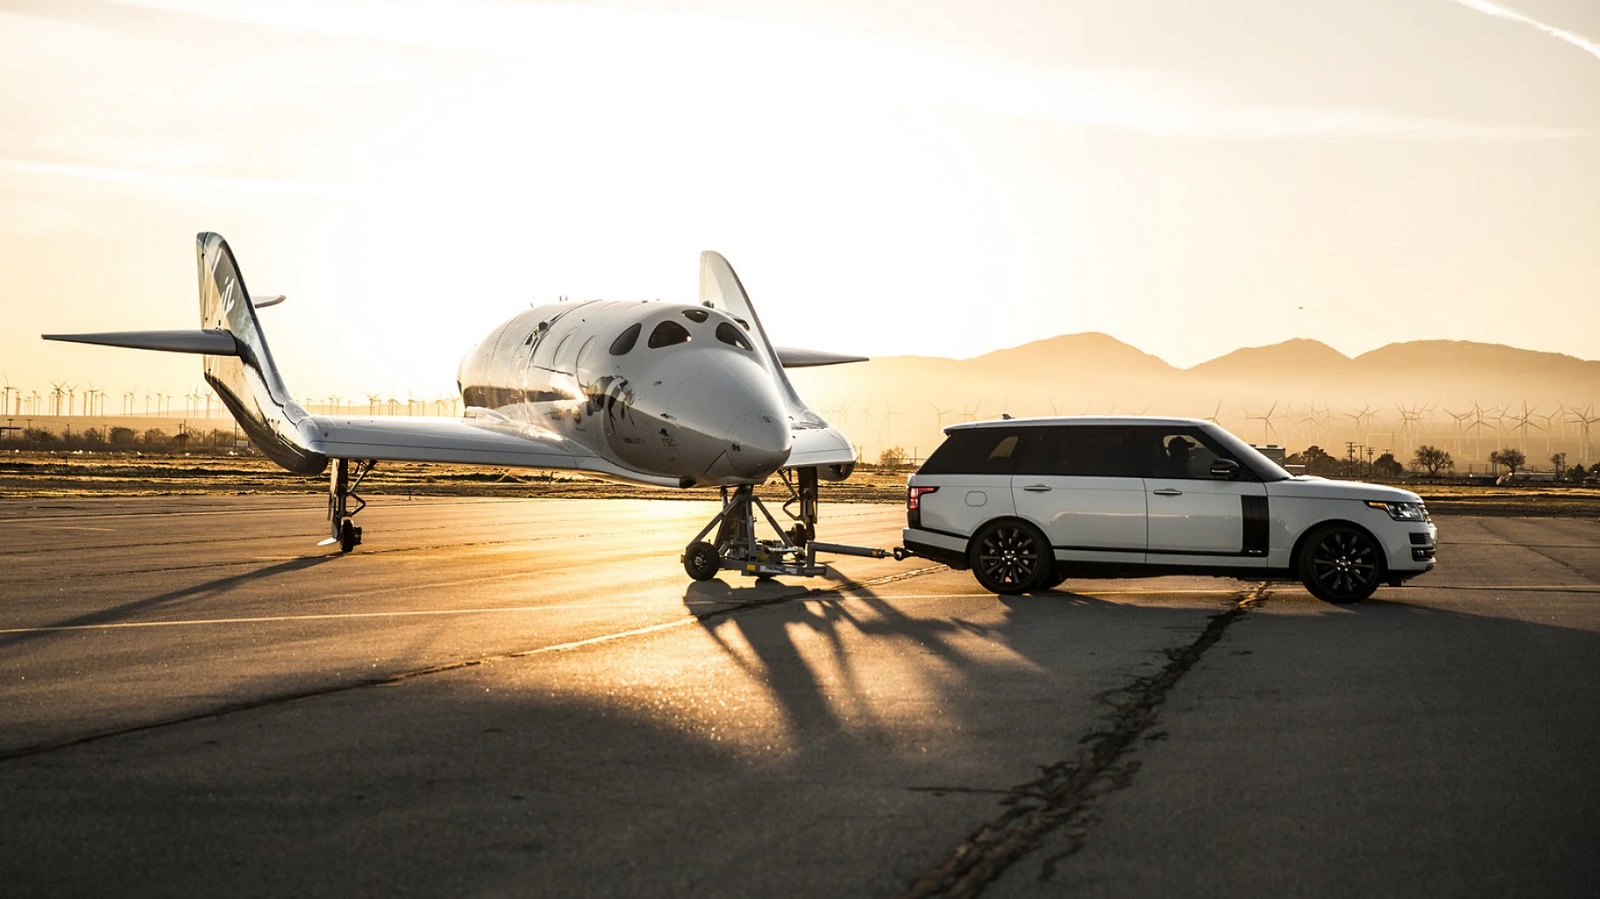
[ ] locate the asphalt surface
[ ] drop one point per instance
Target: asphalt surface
(528, 697)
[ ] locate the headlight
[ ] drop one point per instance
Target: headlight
(1401, 511)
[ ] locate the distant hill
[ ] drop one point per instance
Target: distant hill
(1087, 353)
(1297, 359)
(1487, 360)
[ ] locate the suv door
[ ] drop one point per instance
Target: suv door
(1081, 485)
(1194, 515)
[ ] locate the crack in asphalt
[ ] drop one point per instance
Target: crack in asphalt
(733, 608)
(1062, 797)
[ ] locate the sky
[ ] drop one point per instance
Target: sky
(941, 178)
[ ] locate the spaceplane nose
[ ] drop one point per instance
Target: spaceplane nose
(759, 443)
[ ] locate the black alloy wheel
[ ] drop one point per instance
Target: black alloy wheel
(1010, 557)
(1341, 564)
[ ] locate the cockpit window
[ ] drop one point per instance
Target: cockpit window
(626, 340)
(695, 315)
(666, 334)
(730, 335)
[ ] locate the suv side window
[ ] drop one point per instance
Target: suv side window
(1082, 451)
(1179, 453)
(978, 451)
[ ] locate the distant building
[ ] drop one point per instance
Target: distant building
(1272, 451)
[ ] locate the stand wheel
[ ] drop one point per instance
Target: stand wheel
(701, 561)
(349, 536)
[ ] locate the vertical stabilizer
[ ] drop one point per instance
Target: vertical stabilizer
(249, 383)
(815, 443)
(720, 288)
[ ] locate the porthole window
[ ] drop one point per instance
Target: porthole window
(626, 340)
(728, 334)
(695, 315)
(668, 333)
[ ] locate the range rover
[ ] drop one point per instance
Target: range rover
(1027, 503)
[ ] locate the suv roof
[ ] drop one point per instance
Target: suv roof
(1075, 420)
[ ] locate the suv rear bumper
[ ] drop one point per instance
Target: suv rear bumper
(940, 547)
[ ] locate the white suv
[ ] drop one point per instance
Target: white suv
(1027, 503)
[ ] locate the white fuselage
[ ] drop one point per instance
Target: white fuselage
(662, 389)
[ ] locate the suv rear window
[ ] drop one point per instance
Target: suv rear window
(978, 451)
(1082, 451)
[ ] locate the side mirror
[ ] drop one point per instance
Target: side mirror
(1225, 469)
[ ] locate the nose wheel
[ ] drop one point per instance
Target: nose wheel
(700, 561)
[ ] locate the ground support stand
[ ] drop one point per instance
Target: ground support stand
(738, 546)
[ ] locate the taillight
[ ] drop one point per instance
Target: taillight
(914, 497)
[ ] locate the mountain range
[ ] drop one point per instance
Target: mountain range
(1269, 394)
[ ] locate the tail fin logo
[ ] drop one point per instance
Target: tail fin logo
(227, 296)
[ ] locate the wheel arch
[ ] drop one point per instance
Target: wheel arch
(1305, 536)
(1010, 519)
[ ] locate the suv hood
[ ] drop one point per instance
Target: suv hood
(1312, 487)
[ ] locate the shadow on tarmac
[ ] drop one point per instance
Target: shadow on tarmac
(171, 599)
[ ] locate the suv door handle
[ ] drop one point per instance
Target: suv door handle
(1167, 491)
(1037, 488)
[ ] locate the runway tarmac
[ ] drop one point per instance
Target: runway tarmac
(529, 697)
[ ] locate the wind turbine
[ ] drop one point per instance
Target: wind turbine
(888, 422)
(1549, 425)
(1583, 420)
(1312, 421)
(1522, 423)
(1285, 418)
(1266, 421)
(372, 403)
(1479, 414)
(1410, 422)
(1460, 418)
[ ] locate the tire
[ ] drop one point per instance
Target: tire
(349, 536)
(1341, 564)
(701, 561)
(1057, 577)
(1010, 557)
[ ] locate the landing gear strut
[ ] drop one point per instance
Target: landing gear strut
(738, 547)
(341, 493)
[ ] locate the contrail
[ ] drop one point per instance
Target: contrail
(1500, 12)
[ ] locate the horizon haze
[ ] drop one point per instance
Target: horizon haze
(1466, 397)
